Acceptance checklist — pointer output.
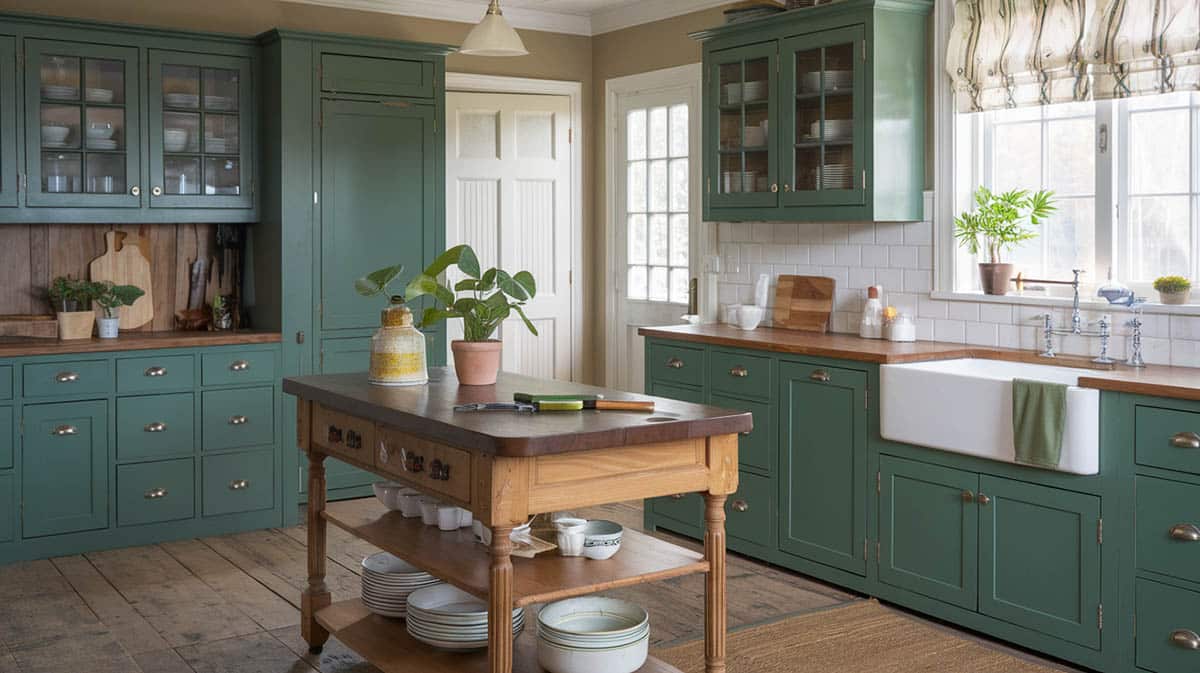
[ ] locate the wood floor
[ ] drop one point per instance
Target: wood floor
(230, 605)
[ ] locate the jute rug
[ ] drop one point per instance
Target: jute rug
(863, 637)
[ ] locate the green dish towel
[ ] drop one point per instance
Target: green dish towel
(1039, 415)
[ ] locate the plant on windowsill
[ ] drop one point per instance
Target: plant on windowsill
(1000, 222)
(71, 299)
(488, 299)
(111, 298)
(1173, 290)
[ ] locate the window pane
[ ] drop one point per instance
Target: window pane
(679, 240)
(658, 132)
(658, 186)
(637, 282)
(1018, 156)
(658, 284)
(679, 286)
(635, 190)
(679, 131)
(1159, 237)
(679, 185)
(635, 127)
(636, 239)
(1072, 160)
(659, 238)
(1070, 238)
(1159, 152)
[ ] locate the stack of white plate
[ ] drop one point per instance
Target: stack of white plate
(739, 181)
(102, 144)
(834, 80)
(593, 634)
(60, 92)
(754, 91)
(447, 617)
(98, 95)
(188, 100)
(387, 583)
(835, 176)
(215, 145)
(212, 102)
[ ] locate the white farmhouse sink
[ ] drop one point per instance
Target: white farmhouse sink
(965, 406)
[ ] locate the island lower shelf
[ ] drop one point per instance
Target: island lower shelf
(456, 558)
(386, 644)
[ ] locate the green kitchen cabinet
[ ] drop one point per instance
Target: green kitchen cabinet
(155, 373)
(743, 172)
(156, 492)
(6, 438)
(238, 482)
(343, 356)
(150, 427)
(375, 76)
(64, 468)
(823, 464)
(756, 449)
(1167, 516)
(748, 519)
(9, 157)
(1168, 628)
(8, 508)
(238, 418)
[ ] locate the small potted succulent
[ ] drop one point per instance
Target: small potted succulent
(1173, 290)
(111, 298)
(487, 299)
(999, 224)
(71, 299)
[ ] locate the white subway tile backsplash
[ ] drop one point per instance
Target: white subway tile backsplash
(848, 255)
(1185, 353)
(822, 254)
(925, 256)
(861, 277)
(862, 234)
(840, 274)
(918, 233)
(1185, 327)
(810, 234)
(903, 256)
(889, 233)
(787, 233)
(933, 308)
(835, 233)
(953, 331)
(925, 329)
(798, 254)
(892, 280)
(962, 310)
(1008, 336)
(918, 280)
(998, 313)
(762, 232)
(874, 255)
(751, 253)
(982, 334)
(774, 254)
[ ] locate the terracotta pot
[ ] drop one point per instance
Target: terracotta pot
(995, 278)
(1174, 298)
(476, 362)
(76, 324)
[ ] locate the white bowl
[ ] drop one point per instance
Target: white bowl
(754, 136)
(625, 659)
(602, 539)
(749, 316)
(388, 493)
(100, 131)
(55, 134)
(175, 140)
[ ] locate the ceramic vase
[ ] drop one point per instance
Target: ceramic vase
(397, 349)
(108, 328)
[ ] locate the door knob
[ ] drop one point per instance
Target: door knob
(775, 188)
(677, 496)
(984, 499)
(739, 372)
(1186, 440)
(1185, 532)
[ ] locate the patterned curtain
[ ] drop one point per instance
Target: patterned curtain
(1014, 53)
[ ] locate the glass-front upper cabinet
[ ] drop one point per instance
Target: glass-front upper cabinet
(823, 117)
(743, 83)
(82, 129)
(8, 122)
(201, 120)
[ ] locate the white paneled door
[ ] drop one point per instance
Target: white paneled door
(508, 195)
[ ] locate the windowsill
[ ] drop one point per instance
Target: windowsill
(1087, 303)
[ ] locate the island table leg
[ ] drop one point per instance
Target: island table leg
(316, 596)
(714, 586)
(500, 602)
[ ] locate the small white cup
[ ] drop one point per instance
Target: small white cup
(410, 504)
(570, 536)
(466, 518)
(429, 510)
(448, 517)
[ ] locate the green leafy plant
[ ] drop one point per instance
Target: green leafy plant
(377, 282)
(112, 297)
(999, 220)
(488, 297)
(1172, 284)
(71, 294)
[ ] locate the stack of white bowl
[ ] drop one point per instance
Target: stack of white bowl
(593, 635)
(387, 583)
(447, 617)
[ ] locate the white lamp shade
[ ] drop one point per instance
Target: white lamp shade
(493, 37)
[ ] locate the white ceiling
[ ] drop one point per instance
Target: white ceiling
(577, 17)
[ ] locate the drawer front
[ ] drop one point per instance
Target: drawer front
(1168, 628)
(427, 465)
(376, 76)
(739, 374)
(238, 482)
(237, 418)
(6, 437)
(155, 492)
(1167, 438)
(230, 368)
(1168, 528)
(6, 382)
(343, 435)
(155, 426)
(684, 508)
(675, 364)
(658, 389)
(748, 511)
(155, 374)
(757, 449)
(63, 379)
(8, 508)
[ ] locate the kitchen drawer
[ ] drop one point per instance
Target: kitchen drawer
(155, 426)
(1168, 628)
(61, 379)
(343, 435)
(156, 492)
(376, 76)
(1167, 438)
(6, 437)
(155, 374)
(1168, 517)
(232, 419)
(684, 508)
(229, 368)
(681, 393)
(739, 374)
(8, 508)
(427, 465)
(238, 482)
(675, 364)
(757, 449)
(748, 512)
(6, 382)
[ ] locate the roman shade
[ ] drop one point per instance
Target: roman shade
(1014, 53)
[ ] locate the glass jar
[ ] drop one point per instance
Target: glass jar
(397, 349)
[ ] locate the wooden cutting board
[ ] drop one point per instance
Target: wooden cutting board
(126, 265)
(803, 303)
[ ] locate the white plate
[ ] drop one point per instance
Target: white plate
(98, 144)
(384, 563)
(181, 99)
(55, 146)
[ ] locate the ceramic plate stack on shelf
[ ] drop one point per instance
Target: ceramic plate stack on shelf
(387, 583)
(835, 176)
(593, 635)
(60, 92)
(184, 100)
(449, 618)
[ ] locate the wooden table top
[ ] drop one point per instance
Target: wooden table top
(428, 411)
(132, 341)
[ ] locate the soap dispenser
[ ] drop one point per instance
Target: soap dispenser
(871, 326)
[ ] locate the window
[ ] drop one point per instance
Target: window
(657, 203)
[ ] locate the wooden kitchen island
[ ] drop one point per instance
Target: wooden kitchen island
(506, 467)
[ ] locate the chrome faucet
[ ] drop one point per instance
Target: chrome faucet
(1119, 295)
(1104, 325)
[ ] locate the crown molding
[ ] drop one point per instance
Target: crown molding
(647, 11)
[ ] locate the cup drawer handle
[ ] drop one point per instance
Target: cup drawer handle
(239, 485)
(741, 506)
(674, 363)
(820, 375)
(157, 426)
(238, 420)
(156, 493)
(155, 372)
(1185, 532)
(739, 372)
(1188, 640)
(66, 377)
(239, 366)
(64, 431)
(1186, 440)
(677, 496)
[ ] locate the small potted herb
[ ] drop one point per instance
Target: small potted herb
(111, 298)
(999, 224)
(71, 299)
(1173, 290)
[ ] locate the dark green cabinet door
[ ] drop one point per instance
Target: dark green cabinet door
(1168, 623)
(378, 200)
(1039, 558)
(8, 507)
(64, 468)
(342, 356)
(201, 120)
(823, 464)
(83, 130)
(8, 121)
(684, 508)
(741, 167)
(757, 449)
(928, 530)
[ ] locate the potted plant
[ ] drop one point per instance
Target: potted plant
(488, 298)
(998, 224)
(1173, 289)
(71, 299)
(110, 299)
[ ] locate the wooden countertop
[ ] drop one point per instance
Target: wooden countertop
(131, 341)
(428, 411)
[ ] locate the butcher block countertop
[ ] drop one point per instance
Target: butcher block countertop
(12, 346)
(1159, 381)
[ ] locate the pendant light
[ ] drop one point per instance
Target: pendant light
(493, 36)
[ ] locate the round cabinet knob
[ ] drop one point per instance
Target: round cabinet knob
(155, 372)
(156, 190)
(64, 431)
(1188, 640)
(984, 499)
(675, 363)
(1186, 440)
(156, 427)
(156, 493)
(740, 506)
(1185, 532)
(66, 377)
(135, 190)
(968, 496)
(239, 485)
(238, 420)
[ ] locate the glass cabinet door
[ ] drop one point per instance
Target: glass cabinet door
(8, 121)
(824, 117)
(742, 81)
(82, 129)
(201, 115)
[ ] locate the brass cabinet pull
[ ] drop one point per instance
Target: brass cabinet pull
(238, 420)
(64, 431)
(1185, 532)
(1186, 440)
(156, 427)
(984, 499)
(820, 375)
(1188, 640)
(677, 496)
(239, 366)
(675, 363)
(156, 493)
(239, 484)
(66, 377)
(155, 372)
(968, 496)
(740, 506)
(739, 372)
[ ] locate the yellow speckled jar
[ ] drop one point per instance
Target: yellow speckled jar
(398, 349)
